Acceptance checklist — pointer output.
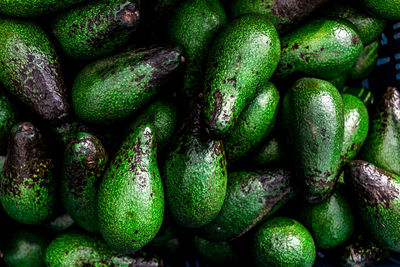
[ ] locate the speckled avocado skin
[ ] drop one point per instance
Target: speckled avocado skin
(193, 26)
(322, 48)
(96, 29)
(81, 249)
(27, 188)
(365, 63)
(282, 13)
(236, 67)
(386, 9)
(195, 174)
(251, 197)
(115, 88)
(30, 69)
(131, 195)
(283, 242)
(22, 8)
(8, 117)
(330, 222)
(314, 120)
(384, 134)
(216, 252)
(84, 162)
(377, 193)
(254, 124)
(356, 123)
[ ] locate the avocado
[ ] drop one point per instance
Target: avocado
(251, 197)
(216, 252)
(195, 173)
(84, 162)
(385, 9)
(331, 222)
(366, 62)
(254, 124)
(314, 120)
(377, 195)
(384, 134)
(96, 29)
(8, 117)
(364, 94)
(64, 133)
(27, 187)
(30, 69)
(193, 26)
(323, 48)
(272, 151)
(243, 56)
(283, 242)
(114, 88)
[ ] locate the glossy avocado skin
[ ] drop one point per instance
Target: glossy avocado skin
(8, 117)
(131, 195)
(115, 88)
(377, 193)
(216, 252)
(254, 124)
(27, 188)
(330, 222)
(22, 8)
(251, 197)
(283, 242)
(193, 26)
(195, 174)
(84, 162)
(96, 29)
(356, 124)
(322, 48)
(386, 9)
(281, 13)
(384, 134)
(236, 68)
(366, 62)
(314, 120)
(30, 69)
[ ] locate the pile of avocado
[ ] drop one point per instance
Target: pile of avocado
(147, 133)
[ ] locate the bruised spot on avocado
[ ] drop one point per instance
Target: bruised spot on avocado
(217, 106)
(295, 46)
(355, 40)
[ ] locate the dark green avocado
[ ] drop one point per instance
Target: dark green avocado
(216, 252)
(366, 62)
(386, 9)
(8, 117)
(272, 151)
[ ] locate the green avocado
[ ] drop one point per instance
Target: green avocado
(243, 56)
(314, 120)
(131, 195)
(96, 29)
(283, 242)
(364, 94)
(386, 9)
(215, 252)
(366, 62)
(8, 117)
(339, 81)
(272, 151)
(27, 187)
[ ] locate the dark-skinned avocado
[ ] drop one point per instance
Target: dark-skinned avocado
(84, 162)
(323, 48)
(314, 120)
(8, 117)
(27, 187)
(235, 69)
(254, 124)
(283, 242)
(193, 26)
(131, 195)
(195, 173)
(30, 69)
(114, 88)
(366, 62)
(377, 195)
(383, 139)
(96, 29)
(385, 9)
(216, 252)
(251, 197)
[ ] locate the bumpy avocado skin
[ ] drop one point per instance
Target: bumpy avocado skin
(322, 48)
(366, 62)
(114, 88)
(195, 174)
(242, 57)
(193, 26)
(27, 188)
(30, 69)
(8, 117)
(330, 222)
(369, 27)
(131, 195)
(282, 13)
(356, 124)
(377, 194)
(386, 9)
(84, 162)
(251, 197)
(255, 123)
(384, 134)
(283, 242)
(216, 252)
(96, 29)
(314, 119)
